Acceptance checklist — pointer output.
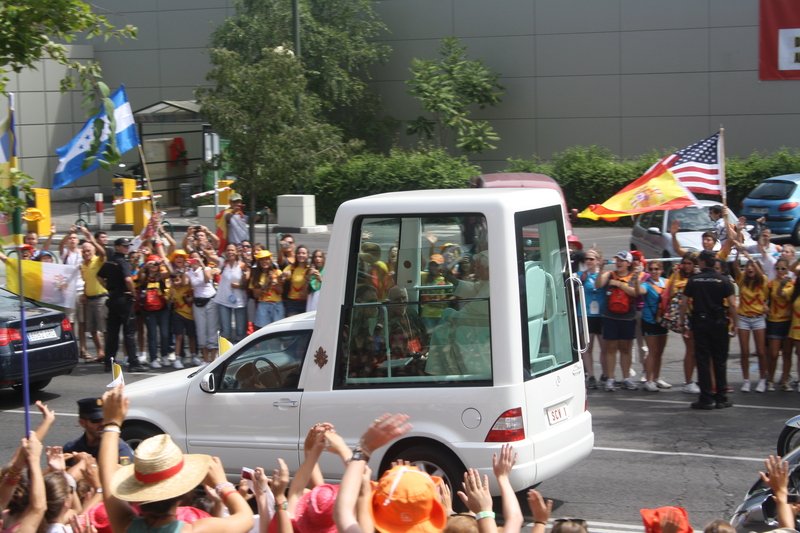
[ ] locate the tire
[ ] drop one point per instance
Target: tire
(135, 432)
(433, 459)
(34, 386)
(788, 440)
(796, 235)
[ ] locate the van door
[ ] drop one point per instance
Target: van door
(253, 415)
(553, 373)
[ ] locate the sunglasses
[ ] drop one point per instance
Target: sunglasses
(653, 269)
(781, 268)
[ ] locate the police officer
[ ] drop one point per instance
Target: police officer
(707, 292)
(118, 276)
(90, 417)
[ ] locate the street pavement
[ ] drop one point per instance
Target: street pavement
(650, 448)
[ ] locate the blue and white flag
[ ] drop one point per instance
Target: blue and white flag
(72, 154)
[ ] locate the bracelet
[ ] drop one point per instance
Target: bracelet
(284, 505)
(484, 514)
(540, 522)
(227, 493)
(222, 486)
(111, 429)
(106, 424)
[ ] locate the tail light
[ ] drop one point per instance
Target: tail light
(66, 325)
(787, 206)
(9, 335)
(508, 427)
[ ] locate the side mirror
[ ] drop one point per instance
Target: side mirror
(207, 383)
(653, 230)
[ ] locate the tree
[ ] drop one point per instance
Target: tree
(274, 144)
(447, 89)
(337, 48)
(33, 31)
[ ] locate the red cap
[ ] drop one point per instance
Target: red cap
(652, 519)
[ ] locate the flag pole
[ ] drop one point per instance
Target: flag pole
(721, 156)
(26, 390)
(147, 179)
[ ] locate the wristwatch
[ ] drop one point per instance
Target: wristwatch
(358, 455)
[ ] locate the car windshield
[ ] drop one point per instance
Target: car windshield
(691, 219)
(773, 190)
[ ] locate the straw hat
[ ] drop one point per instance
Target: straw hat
(405, 499)
(263, 254)
(314, 510)
(160, 471)
(178, 253)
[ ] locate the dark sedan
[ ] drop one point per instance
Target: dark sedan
(52, 350)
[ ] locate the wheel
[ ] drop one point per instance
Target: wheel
(34, 386)
(135, 432)
(788, 440)
(434, 460)
(796, 235)
(273, 367)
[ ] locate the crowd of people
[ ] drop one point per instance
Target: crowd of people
(171, 300)
(100, 488)
(733, 291)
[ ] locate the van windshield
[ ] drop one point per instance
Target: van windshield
(543, 266)
(417, 306)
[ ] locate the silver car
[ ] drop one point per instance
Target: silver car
(651, 235)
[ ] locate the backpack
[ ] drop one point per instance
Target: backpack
(154, 297)
(618, 302)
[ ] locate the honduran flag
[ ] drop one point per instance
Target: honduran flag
(72, 155)
(51, 283)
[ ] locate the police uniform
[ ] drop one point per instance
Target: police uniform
(708, 291)
(91, 409)
(120, 307)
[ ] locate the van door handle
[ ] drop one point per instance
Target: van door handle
(283, 403)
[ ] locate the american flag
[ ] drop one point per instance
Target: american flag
(697, 166)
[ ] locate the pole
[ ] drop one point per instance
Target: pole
(17, 225)
(98, 207)
(216, 160)
(721, 157)
(147, 179)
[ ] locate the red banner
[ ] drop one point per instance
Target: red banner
(779, 40)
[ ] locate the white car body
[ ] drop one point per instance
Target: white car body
(534, 368)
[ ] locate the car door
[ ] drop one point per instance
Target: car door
(251, 418)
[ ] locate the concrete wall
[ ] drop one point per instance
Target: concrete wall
(632, 75)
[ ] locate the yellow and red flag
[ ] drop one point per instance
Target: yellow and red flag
(222, 227)
(656, 190)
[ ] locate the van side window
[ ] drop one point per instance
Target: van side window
(543, 270)
(417, 307)
(268, 363)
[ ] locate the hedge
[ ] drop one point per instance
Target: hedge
(591, 174)
(401, 170)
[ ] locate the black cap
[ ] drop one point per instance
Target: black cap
(90, 408)
(122, 241)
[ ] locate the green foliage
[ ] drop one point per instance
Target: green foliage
(337, 44)
(401, 170)
(274, 144)
(592, 174)
(448, 89)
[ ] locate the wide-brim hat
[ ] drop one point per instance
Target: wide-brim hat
(160, 471)
(263, 254)
(314, 510)
(178, 253)
(405, 499)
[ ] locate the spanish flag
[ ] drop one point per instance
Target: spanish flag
(656, 190)
(50, 283)
(222, 227)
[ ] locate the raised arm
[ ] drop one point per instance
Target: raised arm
(37, 499)
(502, 464)
(99, 250)
(777, 477)
(674, 227)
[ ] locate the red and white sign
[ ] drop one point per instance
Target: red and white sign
(779, 40)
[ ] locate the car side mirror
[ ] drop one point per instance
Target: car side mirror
(207, 383)
(653, 230)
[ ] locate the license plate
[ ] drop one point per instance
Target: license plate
(42, 335)
(759, 210)
(557, 414)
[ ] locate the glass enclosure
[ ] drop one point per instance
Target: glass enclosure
(417, 305)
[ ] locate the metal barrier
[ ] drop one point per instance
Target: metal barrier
(84, 206)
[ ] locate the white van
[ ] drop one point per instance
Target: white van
(454, 306)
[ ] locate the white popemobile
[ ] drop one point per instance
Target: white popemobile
(486, 353)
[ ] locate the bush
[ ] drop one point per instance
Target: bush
(592, 174)
(401, 170)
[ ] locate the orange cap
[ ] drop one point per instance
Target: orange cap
(652, 519)
(405, 500)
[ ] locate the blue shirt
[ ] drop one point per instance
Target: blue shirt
(652, 299)
(595, 298)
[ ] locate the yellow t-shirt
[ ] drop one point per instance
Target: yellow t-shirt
(794, 332)
(179, 294)
(269, 292)
(780, 301)
(93, 286)
(752, 300)
(298, 284)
